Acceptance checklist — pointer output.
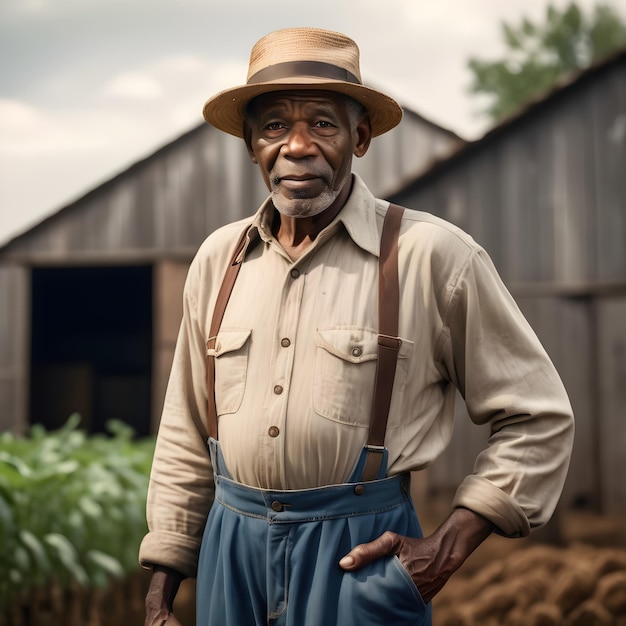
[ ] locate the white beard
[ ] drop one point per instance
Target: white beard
(304, 207)
(307, 207)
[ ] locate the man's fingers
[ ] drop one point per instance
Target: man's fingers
(387, 543)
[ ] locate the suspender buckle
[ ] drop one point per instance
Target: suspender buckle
(373, 462)
(387, 341)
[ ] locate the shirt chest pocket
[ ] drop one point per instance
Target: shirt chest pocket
(231, 368)
(345, 372)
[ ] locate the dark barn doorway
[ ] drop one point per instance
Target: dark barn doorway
(91, 348)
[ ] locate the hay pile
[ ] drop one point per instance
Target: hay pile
(540, 586)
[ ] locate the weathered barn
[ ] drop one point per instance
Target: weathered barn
(90, 299)
(545, 194)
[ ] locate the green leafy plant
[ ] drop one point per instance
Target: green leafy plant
(539, 53)
(72, 508)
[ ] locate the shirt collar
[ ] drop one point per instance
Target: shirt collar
(358, 217)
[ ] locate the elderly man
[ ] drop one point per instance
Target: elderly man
(326, 336)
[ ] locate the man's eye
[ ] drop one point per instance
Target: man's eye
(324, 124)
(274, 126)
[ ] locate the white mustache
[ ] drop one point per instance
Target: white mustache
(277, 175)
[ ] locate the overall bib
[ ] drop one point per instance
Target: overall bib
(272, 557)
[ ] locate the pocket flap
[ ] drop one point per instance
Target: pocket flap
(355, 345)
(229, 340)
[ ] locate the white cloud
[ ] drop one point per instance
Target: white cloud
(28, 130)
(138, 109)
(171, 85)
(132, 86)
(17, 117)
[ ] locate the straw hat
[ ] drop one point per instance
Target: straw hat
(301, 58)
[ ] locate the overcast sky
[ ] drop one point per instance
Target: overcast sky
(87, 87)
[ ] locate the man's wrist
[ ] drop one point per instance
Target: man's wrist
(462, 532)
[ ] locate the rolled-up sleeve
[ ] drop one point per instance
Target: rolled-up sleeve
(181, 481)
(507, 381)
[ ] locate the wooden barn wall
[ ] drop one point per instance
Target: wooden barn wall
(611, 394)
(547, 199)
(14, 346)
(401, 154)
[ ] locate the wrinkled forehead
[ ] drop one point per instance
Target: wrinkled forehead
(279, 99)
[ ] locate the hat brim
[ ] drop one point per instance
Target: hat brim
(226, 110)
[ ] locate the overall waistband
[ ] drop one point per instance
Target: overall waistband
(330, 502)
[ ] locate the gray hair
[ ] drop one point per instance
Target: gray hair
(355, 111)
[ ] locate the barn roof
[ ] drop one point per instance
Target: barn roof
(563, 88)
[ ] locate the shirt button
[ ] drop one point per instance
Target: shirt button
(285, 343)
(273, 431)
(295, 273)
(278, 390)
(357, 352)
(277, 506)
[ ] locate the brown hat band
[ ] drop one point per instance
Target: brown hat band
(302, 68)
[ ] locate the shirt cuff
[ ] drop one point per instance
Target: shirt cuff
(172, 550)
(483, 497)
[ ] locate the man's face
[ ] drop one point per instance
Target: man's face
(303, 142)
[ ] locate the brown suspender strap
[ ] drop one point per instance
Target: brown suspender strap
(388, 340)
(218, 313)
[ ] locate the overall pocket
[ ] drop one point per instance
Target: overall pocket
(382, 593)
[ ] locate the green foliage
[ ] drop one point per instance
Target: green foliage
(539, 54)
(72, 507)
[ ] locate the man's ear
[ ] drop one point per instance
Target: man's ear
(363, 135)
(247, 137)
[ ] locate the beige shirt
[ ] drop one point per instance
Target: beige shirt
(295, 366)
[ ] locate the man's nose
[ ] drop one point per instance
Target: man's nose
(299, 142)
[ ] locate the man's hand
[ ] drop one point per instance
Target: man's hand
(432, 560)
(160, 597)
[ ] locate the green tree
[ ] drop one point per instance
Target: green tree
(538, 55)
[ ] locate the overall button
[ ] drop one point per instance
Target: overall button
(278, 390)
(357, 352)
(273, 431)
(277, 506)
(359, 490)
(295, 273)
(285, 343)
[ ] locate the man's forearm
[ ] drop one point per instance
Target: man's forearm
(161, 593)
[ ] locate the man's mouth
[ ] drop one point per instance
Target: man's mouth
(295, 178)
(296, 183)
